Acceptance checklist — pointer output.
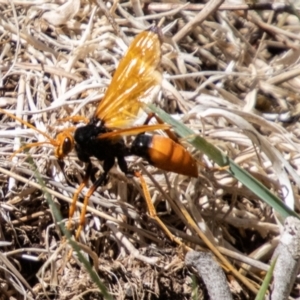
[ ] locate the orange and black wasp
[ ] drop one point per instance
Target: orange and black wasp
(135, 79)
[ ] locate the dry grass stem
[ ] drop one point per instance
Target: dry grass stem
(230, 73)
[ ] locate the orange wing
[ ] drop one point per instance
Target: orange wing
(134, 80)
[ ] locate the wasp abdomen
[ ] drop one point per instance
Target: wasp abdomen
(164, 153)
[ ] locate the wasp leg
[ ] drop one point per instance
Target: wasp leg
(107, 165)
(78, 191)
(123, 166)
(75, 119)
(170, 134)
(152, 211)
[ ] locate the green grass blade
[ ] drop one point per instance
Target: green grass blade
(224, 161)
(261, 295)
(57, 215)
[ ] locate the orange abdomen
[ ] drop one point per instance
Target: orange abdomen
(164, 153)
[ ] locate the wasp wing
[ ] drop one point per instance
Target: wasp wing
(134, 80)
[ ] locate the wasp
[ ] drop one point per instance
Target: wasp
(135, 79)
(136, 76)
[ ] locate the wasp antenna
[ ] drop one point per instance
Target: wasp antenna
(52, 141)
(28, 146)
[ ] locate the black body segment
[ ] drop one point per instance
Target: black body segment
(88, 144)
(140, 146)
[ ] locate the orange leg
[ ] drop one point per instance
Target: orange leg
(90, 192)
(76, 194)
(152, 211)
(75, 119)
(170, 134)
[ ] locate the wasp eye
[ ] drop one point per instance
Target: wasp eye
(67, 146)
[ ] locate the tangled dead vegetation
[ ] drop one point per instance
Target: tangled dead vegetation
(231, 76)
